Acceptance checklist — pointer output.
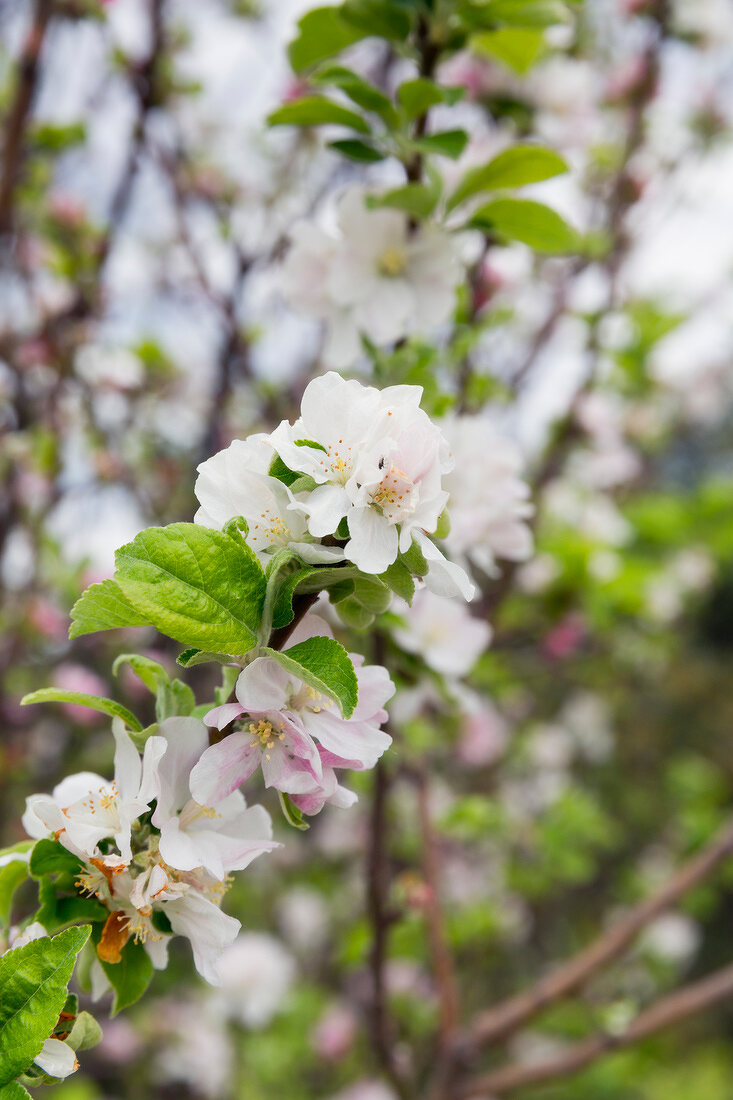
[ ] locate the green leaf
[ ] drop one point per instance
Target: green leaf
(373, 594)
(399, 579)
(85, 1033)
(361, 91)
(94, 702)
(357, 150)
(291, 813)
(324, 664)
(515, 167)
(130, 977)
(447, 143)
(201, 587)
(103, 607)
(14, 1091)
(417, 199)
(353, 614)
(316, 110)
(229, 677)
(533, 223)
(191, 657)
(526, 13)
(172, 697)
(516, 47)
(33, 988)
(49, 857)
(13, 874)
(322, 33)
(282, 612)
(378, 18)
(415, 561)
(415, 97)
(152, 674)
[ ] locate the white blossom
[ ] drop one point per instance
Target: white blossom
(85, 808)
(442, 632)
(489, 501)
(378, 461)
(236, 482)
(378, 276)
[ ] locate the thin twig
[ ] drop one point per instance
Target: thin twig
(498, 1022)
(669, 1010)
(442, 959)
(28, 70)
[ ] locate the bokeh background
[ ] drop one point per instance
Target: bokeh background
(144, 210)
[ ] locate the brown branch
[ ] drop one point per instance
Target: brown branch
(665, 1012)
(496, 1023)
(380, 918)
(442, 959)
(17, 121)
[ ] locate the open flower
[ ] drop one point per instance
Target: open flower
(378, 276)
(442, 632)
(293, 731)
(489, 501)
(85, 808)
(222, 837)
(235, 482)
(378, 461)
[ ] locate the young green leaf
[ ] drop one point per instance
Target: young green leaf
(380, 18)
(85, 1033)
(33, 988)
(291, 813)
(130, 977)
(517, 47)
(366, 95)
(14, 1091)
(533, 223)
(353, 614)
(526, 13)
(14, 871)
(415, 97)
(316, 110)
(282, 612)
(322, 33)
(357, 150)
(94, 702)
(191, 657)
(201, 587)
(399, 579)
(514, 167)
(447, 143)
(373, 594)
(417, 199)
(324, 664)
(103, 607)
(49, 857)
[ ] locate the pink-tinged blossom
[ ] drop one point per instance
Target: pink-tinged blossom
(85, 808)
(379, 462)
(236, 482)
(377, 276)
(294, 732)
(489, 502)
(222, 837)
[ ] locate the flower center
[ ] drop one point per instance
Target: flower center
(264, 735)
(394, 495)
(271, 530)
(392, 262)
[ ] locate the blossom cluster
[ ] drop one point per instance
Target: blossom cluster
(365, 463)
(376, 275)
(159, 870)
(359, 482)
